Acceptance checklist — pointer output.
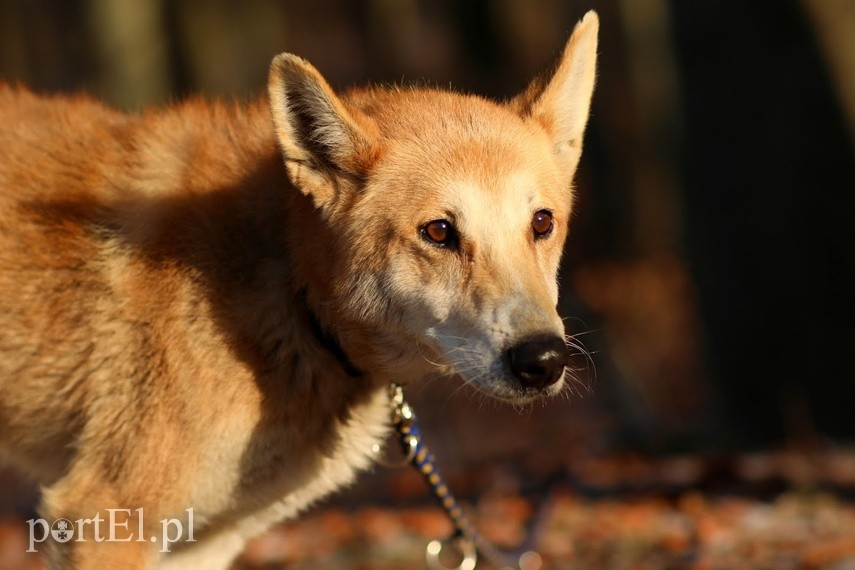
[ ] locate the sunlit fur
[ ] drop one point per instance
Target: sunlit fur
(159, 274)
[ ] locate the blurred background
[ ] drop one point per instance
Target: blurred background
(710, 269)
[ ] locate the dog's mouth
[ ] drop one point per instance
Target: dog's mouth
(512, 393)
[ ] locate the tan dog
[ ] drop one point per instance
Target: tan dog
(201, 308)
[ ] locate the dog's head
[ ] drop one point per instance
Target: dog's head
(447, 215)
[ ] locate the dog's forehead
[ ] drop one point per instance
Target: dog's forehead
(461, 127)
(463, 146)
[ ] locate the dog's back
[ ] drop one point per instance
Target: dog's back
(55, 153)
(108, 224)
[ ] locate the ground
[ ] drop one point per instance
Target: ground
(789, 509)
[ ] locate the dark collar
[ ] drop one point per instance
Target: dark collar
(330, 343)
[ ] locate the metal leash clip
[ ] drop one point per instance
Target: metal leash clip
(465, 548)
(401, 412)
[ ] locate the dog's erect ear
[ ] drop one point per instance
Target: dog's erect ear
(325, 145)
(560, 100)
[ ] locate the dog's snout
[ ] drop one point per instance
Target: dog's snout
(539, 362)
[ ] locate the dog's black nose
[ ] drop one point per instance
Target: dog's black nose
(539, 362)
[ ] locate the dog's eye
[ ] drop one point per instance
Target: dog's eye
(542, 223)
(440, 232)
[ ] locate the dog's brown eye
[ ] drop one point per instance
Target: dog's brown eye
(439, 232)
(542, 223)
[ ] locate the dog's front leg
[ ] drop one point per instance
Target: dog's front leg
(91, 555)
(94, 520)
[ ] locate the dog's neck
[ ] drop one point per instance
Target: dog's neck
(330, 343)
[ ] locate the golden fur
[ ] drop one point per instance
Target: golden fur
(159, 275)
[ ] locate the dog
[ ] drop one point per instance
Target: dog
(202, 307)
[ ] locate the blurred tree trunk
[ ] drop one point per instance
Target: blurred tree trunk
(655, 129)
(132, 51)
(834, 22)
(222, 59)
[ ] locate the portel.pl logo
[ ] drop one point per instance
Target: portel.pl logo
(119, 525)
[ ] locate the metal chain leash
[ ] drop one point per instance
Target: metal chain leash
(466, 539)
